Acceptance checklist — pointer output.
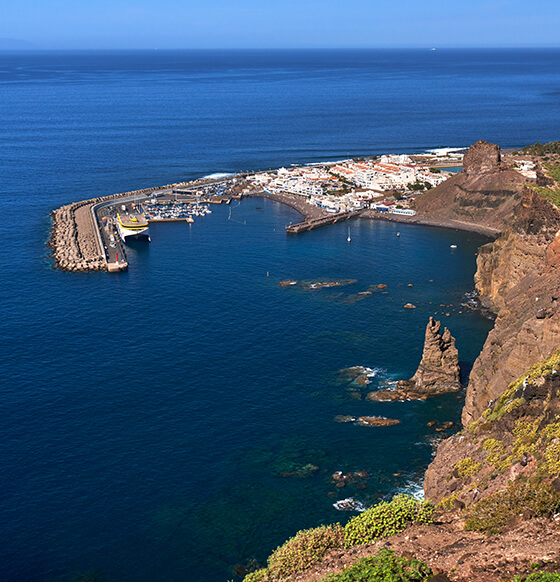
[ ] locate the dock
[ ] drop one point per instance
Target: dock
(312, 223)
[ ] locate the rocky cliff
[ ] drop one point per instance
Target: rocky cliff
(484, 193)
(517, 277)
(506, 399)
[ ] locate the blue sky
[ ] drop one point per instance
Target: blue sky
(55, 24)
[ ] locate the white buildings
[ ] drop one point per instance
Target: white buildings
(349, 185)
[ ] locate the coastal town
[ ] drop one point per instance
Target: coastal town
(91, 235)
(387, 184)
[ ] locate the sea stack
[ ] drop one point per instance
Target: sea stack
(439, 370)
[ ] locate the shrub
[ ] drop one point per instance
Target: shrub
(262, 575)
(384, 567)
(386, 519)
(305, 549)
(494, 512)
(467, 467)
(539, 577)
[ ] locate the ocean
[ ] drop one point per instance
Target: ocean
(177, 421)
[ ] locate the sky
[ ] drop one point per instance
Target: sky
(175, 24)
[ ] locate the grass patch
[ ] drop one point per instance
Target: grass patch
(384, 567)
(538, 577)
(305, 549)
(467, 467)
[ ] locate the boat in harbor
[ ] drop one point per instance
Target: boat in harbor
(132, 226)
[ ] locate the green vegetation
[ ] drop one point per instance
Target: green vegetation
(467, 467)
(493, 513)
(538, 577)
(306, 548)
(262, 575)
(540, 149)
(506, 403)
(384, 567)
(551, 193)
(386, 519)
(419, 186)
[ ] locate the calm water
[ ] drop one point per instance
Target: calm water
(147, 417)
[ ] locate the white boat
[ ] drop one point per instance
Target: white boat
(349, 239)
(133, 226)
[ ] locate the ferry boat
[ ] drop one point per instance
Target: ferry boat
(133, 226)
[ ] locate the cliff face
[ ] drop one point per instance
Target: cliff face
(517, 278)
(485, 192)
(517, 435)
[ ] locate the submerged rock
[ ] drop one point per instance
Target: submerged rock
(349, 504)
(376, 421)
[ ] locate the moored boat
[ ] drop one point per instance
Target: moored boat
(133, 226)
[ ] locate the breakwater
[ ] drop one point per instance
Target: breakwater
(75, 238)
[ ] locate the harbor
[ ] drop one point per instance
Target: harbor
(93, 234)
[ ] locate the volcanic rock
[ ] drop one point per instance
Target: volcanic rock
(439, 370)
(484, 194)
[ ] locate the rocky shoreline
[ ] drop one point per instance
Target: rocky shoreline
(489, 476)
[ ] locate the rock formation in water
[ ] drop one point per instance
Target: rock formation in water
(439, 370)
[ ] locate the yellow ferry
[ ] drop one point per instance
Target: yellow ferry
(133, 226)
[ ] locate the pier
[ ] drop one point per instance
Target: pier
(312, 223)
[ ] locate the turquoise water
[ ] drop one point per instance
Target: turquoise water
(150, 419)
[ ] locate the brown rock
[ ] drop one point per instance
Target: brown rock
(376, 421)
(482, 157)
(439, 370)
(483, 194)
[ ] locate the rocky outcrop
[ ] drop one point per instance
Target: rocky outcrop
(517, 278)
(517, 435)
(481, 158)
(484, 193)
(438, 372)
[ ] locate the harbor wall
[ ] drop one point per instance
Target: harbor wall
(74, 241)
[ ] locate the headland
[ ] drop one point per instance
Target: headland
(494, 487)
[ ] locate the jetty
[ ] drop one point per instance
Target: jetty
(313, 223)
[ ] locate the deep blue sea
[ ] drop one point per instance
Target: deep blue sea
(147, 417)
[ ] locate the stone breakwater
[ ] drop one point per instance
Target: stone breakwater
(74, 239)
